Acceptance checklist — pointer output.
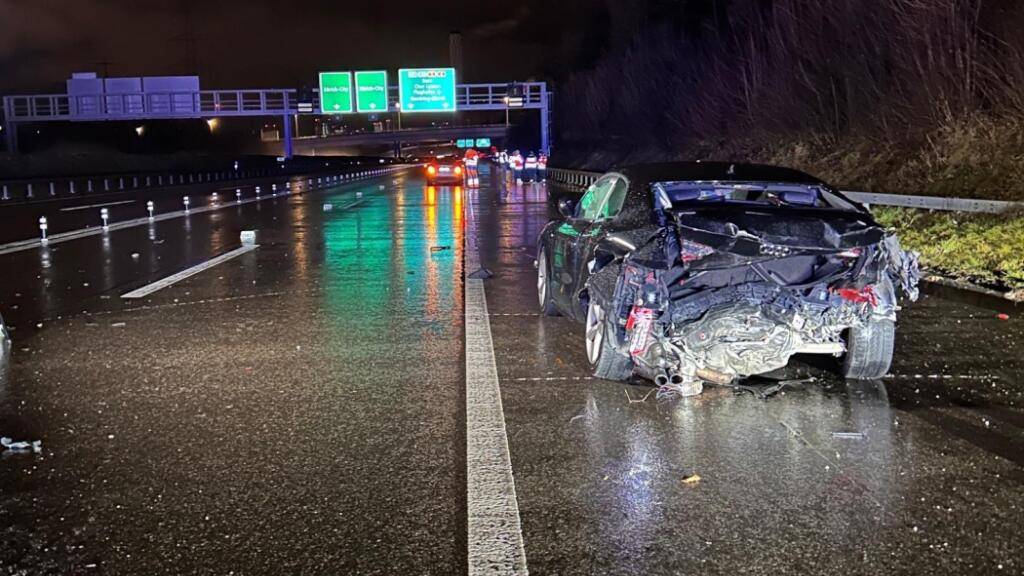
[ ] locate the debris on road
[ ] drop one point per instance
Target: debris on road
(328, 207)
(849, 435)
(439, 248)
(135, 255)
(117, 325)
(482, 274)
(691, 479)
(247, 237)
(637, 401)
(10, 445)
(1003, 316)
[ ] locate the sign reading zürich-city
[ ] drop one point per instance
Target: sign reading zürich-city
(426, 89)
(372, 91)
(335, 92)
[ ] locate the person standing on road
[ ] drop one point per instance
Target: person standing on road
(542, 167)
(516, 162)
(471, 159)
(530, 167)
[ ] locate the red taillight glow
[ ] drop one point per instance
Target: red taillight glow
(431, 170)
(458, 170)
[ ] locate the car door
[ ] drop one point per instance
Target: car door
(601, 223)
(568, 238)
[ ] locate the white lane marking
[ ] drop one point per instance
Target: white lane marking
(494, 529)
(73, 208)
(174, 278)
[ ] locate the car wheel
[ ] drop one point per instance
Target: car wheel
(605, 361)
(869, 350)
(547, 303)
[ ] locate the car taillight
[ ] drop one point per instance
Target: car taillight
(431, 170)
(458, 170)
(690, 250)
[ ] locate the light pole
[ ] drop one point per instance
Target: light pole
(398, 109)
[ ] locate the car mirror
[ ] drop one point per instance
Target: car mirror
(566, 207)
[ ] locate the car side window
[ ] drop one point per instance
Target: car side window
(616, 198)
(592, 203)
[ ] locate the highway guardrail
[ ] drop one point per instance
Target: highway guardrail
(583, 178)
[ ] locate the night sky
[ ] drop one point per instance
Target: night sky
(251, 44)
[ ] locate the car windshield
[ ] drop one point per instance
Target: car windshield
(674, 194)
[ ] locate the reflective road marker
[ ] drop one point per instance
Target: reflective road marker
(494, 530)
(174, 278)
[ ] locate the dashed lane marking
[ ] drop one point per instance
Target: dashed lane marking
(188, 272)
(75, 208)
(495, 535)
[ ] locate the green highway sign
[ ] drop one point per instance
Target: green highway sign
(372, 91)
(483, 142)
(463, 143)
(426, 89)
(335, 92)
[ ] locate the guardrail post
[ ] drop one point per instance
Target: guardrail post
(53, 189)
(88, 186)
(160, 180)
(71, 187)
(120, 183)
(6, 194)
(135, 181)
(106, 185)
(148, 182)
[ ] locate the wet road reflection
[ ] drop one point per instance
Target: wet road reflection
(825, 477)
(293, 410)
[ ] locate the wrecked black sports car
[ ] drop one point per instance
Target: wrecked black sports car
(686, 273)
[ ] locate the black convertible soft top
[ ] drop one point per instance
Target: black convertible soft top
(712, 171)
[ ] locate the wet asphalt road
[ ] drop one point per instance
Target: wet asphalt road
(300, 410)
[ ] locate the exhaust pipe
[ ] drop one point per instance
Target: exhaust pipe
(661, 379)
(713, 376)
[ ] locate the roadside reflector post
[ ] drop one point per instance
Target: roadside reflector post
(273, 188)
(28, 191)
(215, 198)
(238, 195)
(185, 200)
(104, 215)
(248, 236)
(42, 227)
(7, 194)
(288, 187)
(149, 207)
(257, 192)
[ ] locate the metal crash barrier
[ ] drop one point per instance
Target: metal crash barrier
(584, 178)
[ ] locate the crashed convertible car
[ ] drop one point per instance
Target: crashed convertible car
(693, 273)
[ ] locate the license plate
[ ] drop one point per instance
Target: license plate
(445, 169)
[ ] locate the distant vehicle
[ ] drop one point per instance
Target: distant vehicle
(686, 273)
(448, 170)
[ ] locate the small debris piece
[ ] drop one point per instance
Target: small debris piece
(9, 444)
(1003, 316)
(117, 325)
(135, 255)
(328, 207)
(849, 435)
(691, 479)
(482, 274)
(439, 248)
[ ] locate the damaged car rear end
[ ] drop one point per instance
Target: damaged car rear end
(736, 269)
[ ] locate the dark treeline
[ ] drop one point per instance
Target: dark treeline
(676, 73)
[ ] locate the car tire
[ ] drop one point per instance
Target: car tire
(605, 361)
(547, 303)
(869, 350)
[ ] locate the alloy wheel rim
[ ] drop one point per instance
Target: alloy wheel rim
(595, 334)
(542, 280)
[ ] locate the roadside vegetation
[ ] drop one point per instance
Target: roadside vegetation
(898, 96)
(987, 249)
